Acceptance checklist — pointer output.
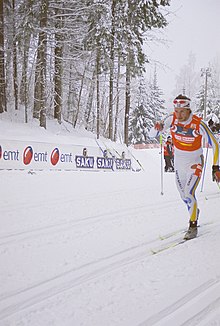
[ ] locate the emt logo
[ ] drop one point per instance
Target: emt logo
(27, 155)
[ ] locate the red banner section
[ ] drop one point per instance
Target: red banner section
(146, 146)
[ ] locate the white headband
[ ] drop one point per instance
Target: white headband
(181, 103)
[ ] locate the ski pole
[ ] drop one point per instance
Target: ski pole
(161, 164)
(99, 146)
(135, 159)
(205, 163)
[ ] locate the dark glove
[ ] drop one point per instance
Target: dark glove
(216, 173)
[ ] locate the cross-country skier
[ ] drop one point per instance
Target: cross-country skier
(187, 132)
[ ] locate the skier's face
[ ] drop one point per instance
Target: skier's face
(182, 114)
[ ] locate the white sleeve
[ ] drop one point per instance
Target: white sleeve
(153, 133)
(167, 122)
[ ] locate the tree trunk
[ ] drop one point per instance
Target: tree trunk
(97, 94)
(79, 98)
(40, 74)
(3, 103)
(24, 79)
(89, 101)
(70, 95)
(58, 73)
(15, 71)
(127, 102)
(58, 83)
(117, 101)
(25, 85)
(110, 136)
(111, 77)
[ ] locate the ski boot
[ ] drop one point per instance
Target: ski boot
(192, 231)
(193, 228)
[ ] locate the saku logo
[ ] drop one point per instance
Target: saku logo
(55, 155)
(28, 154)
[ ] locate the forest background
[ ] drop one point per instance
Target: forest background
(85, 62)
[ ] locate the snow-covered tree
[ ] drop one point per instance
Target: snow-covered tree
(149, 108)
(156, 100)
(141, 117)
(75, 60)
(208, 97)
(188, 79)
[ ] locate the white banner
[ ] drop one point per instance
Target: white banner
(43, 156)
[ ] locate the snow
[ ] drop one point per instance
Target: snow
(76, 247)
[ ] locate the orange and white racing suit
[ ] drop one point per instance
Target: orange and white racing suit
(187, 139)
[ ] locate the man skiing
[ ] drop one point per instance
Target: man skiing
(168, 155)
(187, 132)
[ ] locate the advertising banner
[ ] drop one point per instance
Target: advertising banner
(47, 156)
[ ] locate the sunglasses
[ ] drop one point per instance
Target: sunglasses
(181, 103)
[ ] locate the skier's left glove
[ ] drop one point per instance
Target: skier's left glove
(216, 173)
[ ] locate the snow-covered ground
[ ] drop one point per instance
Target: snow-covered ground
(76, 247)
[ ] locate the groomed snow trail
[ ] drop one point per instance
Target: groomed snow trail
(75, 249)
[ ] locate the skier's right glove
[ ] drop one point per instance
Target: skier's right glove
(216, 173)
(159, 125)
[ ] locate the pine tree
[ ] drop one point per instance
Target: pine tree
(188, 78)
(120, 27)
(148, 109)
(140, 17)
(208, 97)
(155, 99)
(139, 119)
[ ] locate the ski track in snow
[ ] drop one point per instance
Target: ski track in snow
(18, 301)
(15, 302)
(183, 312)
(54, 228)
